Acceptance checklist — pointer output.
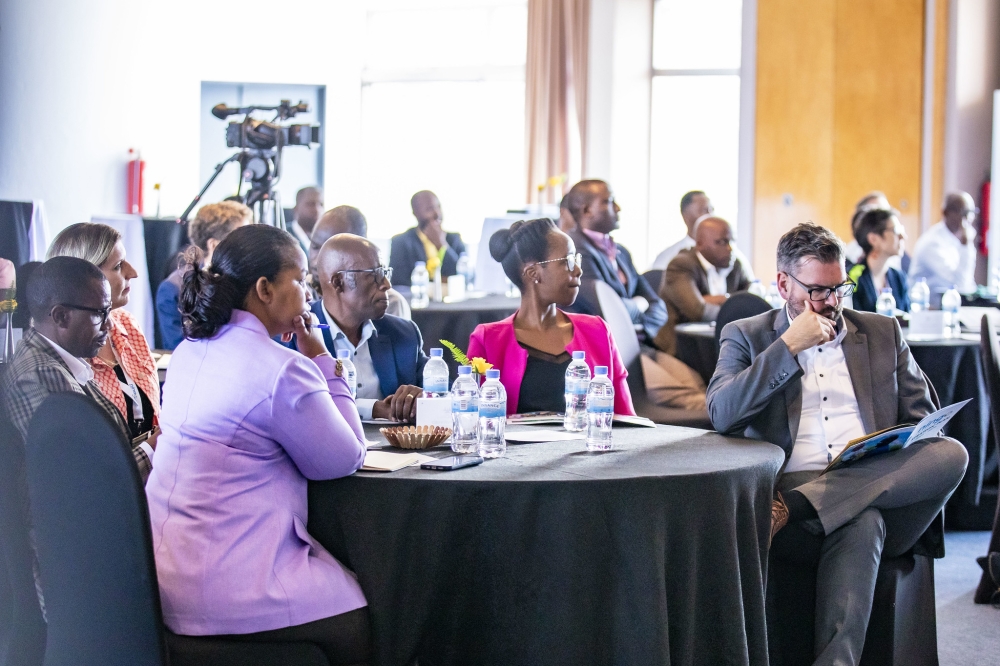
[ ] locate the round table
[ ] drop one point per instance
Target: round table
(456, 321)
(649, 554)
(954, 368)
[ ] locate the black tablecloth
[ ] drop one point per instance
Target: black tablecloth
(649, 554)
(456, 321)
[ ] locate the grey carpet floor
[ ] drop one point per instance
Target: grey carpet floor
(968, 634)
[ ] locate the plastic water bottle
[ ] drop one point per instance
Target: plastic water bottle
(464, 412)
(757, 289)
(600, 410)
(886, 304)
(773, 298)
(418, 285)
(464, 267)
(350, 372)
(436, 375)
(920, 296)
(492, 416)
(950, 303)
(577, 383)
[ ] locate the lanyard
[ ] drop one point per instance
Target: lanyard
(130, 389)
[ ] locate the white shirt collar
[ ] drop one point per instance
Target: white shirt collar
(710, 267)
(367, 330)
(81, 370)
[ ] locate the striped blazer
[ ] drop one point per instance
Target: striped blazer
(36, 372)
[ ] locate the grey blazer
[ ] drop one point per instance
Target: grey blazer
(756, 390)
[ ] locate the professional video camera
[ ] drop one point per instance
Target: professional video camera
(260, 144)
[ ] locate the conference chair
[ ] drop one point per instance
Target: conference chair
(989, 349)
(740, 305)
(22, 629)
(654, 277)
(613, 311)
(95, 552)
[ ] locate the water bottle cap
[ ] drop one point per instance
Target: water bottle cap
(579, 355)
(601, 370)
(492, 374)
(464, 370)
(886, 290)
(437, 352)
(343, 353)
(420, 263)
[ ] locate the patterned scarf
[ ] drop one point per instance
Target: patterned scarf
(133, 353)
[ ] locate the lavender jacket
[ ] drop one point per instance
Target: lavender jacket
(245, 423)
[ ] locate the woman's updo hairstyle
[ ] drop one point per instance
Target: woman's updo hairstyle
(872, 221)
(209, 296)
(523, 243)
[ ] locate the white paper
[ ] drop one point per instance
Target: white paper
(926, 324)
(536, 435)
(434, 412)
(931, 424)
(383, 461)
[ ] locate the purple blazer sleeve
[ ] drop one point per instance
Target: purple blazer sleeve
(315, 419)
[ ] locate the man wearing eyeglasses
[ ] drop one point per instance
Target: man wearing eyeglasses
(946, 253)
(810, 377)
(69, 300)
(387, 351)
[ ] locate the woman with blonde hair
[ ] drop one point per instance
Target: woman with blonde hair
(124, 368)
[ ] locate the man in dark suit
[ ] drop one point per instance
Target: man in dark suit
(810, 377)
(699, 280)
(593, 206)
(69, 300)
(427, 242)
(387, 351)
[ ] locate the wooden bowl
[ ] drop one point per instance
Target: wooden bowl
(416, 437)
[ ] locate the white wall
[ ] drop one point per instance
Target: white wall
(82, 82)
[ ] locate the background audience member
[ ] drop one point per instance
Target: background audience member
(694, 206)
(785, 377)
(211, 225)
(308, 208)
(245, 423)
(427, 241)
(945, 254)
(533, 347)
(874, 199)
(596, 214)
(698, 280)
(881, 236)
(70, 303)
(124, 368)
(387, 351)
(566, 221)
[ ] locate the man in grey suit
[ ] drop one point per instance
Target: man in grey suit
(809, 378)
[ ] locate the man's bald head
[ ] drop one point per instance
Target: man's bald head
(713, 238)
(426, 208)
(356, 296)
(958, 208)
(339, 220)
(345, 252)
(308, 207)
(593, 206)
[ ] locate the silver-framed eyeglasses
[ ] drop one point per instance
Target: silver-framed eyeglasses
(379, 272)
(572, 261)
(822, 293)
(103, 313)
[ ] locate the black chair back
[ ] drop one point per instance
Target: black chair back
(22, 630)
(93, 539)
(740, 305)
(654, 277)
(989, 350)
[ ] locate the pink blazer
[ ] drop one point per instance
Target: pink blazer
(245, 423)
(497, 343)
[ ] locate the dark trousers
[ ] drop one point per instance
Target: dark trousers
(345, 639)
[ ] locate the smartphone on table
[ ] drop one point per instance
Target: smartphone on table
(452, 462)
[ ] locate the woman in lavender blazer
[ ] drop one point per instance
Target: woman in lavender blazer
(245, 423)
(533, 347)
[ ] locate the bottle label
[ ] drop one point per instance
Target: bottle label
(577, 386)
(464, 405)
(599, 405)
(436, 385)
(492, 410)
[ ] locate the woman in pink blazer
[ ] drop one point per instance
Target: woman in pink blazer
(533, 347)
(245, 423)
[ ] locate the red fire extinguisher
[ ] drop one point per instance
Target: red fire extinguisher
(134, 177)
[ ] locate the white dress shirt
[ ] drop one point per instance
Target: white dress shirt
(716, 276)
(830, 415)
(369, 388)
(663, 259)
(941, 258)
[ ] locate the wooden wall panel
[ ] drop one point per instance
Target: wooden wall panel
(839, 113)
(942, 14)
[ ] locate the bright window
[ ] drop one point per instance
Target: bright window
(694, 128)
(443, 109)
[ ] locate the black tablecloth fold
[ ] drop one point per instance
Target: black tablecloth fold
(650, 554)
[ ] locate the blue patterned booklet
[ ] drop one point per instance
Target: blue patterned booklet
(895, 438)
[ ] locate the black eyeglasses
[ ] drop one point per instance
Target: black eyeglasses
(380, 272)
(823, 293)
(103, 313)
(572, 261)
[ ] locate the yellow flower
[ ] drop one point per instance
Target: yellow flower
(9, 305)
(479, 365)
